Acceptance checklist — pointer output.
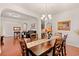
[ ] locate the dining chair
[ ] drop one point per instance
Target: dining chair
(17, 35)
(33, 36)
(64, 44)
(24, 48)
(58, 34)
(2, 43)
(57, 44)
(57, 49)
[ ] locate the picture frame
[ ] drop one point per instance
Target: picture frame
(33, 26)
(64, 25)
(16, 29)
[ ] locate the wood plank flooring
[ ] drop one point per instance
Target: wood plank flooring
(12, 48)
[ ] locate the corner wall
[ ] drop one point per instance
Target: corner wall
(9, 23)
(73, 15)
(6, 22)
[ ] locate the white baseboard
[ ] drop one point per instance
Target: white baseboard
(72, 44)
(8, 36)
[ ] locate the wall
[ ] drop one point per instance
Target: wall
(17, 9)
(9, 23)
(21, 10)
(0, 26)
(73, 15)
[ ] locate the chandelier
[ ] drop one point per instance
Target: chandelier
(46, 16)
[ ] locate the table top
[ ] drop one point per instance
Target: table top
(40, 46)
(37, 42)
(41, 49)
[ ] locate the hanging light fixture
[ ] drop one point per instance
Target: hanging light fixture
(49, 16)
(43, 16)
(46, 16)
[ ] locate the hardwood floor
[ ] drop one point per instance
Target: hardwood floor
(72, 51)
(12, 48)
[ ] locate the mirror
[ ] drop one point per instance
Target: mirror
(46, 29)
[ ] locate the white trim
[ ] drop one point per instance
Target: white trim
(72, 44)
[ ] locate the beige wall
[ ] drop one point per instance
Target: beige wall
(73, 15)
(21, 10)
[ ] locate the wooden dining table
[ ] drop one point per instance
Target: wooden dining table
(40, 47)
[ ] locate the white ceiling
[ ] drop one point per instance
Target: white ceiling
(50, 8)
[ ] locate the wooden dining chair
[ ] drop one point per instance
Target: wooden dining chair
(33, 36)
(17, 35)
(2, 43)
(58, 34)
(25, 51)
(24, 48)
(57, 49)
(64, 44)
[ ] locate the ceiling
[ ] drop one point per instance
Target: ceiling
(49, 8)
(46, 8)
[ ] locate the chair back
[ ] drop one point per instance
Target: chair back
(2, 43)
(65, 37)
(57, 49)
(24, 48)
(33, 36)
(64, 44)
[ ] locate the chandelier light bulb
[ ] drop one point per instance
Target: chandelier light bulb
(49, 16)
(43, 16)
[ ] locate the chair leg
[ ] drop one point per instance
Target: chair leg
(65, 50)
(53, 54)
(62, 51)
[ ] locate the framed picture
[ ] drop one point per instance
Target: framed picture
(64, 25)
(33, 26)
(16, 29)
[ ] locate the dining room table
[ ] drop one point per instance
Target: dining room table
(40, 47)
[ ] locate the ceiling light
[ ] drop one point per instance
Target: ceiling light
(43, 15)
(49, 16)
(42, 18)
